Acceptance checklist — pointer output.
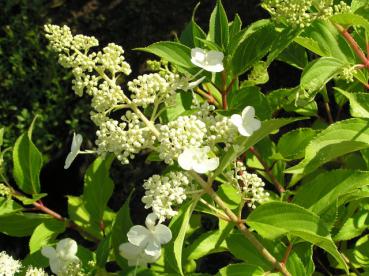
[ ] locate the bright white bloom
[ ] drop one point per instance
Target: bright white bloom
(197, 159)
(8, 266)
(151, 237)
(211, 61)
(34, 271)
(74, 150)
(62, 257)
(246, 122)
(136, 255)
(162, 192)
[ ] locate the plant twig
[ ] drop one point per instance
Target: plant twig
(268, 171)
(240, 225)
(287, 254)
(329, 113)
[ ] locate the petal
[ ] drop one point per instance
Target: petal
(76, 143)
(56, 265)
(66, 248)
(162, 233)
(185, 159)
(151, 221)
(198, 56)
(248, 112)
(70, 158)
(138, 235)
(255, 124)
(236, 120)
(48, 252)
(214, 57)
(195, 83)
(129, 251)
(245, 131)
(212, 163)
(151, 258)
(152, 248)
(214, 68)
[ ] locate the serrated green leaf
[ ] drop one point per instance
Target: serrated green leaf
(350, 19)
(229, 195)
(178, 226)
(121, 226)
(275, 219)
(338, 139)
(241, 270)
(292, 144)
(294, 55)
(45, 233)
(309, 44)
(359, 103)
(98, 187)
(354, 226)
(322, 191)
(192, 32)
(235, 26)
(27, 162)
(173, 52)
(22, 224)
(218, 26)
(28, 201)
(9, 206)
(243, 143)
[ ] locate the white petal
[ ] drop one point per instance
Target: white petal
(150, 258)
(70, 158)
(151, 221)
(214, 61)
(56, 265)
(129, 251)
(76, 143)
(162, 233)
(198, 57)
(185, 159)
(153, 248)
(236, 120)
(245, 131)
(248, 112)
(214, 68)
(195, 83)
(138, 235)
(48, 252)
(255, 124)
(200, 168)
(67, 248)
(212, 163)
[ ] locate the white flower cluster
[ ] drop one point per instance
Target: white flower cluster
(162, 192)
(222, 131)
(8, 266)
(124, 138)
(144, 243)
(184, 132)
(250, 185)
(148, 88)
(4, 190)
(298, 12)
(34, 271)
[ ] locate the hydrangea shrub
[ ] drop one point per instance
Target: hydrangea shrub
(289, 194)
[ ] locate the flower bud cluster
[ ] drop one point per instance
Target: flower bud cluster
(162, 192)
(8, 266)
(184, 132)
(348, 73)
(4, 190)
(250, 185)
(124, 138)
(34, 271)
(299, 13)
(148, 88)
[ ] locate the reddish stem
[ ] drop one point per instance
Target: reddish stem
(268, 171)
(287, 254)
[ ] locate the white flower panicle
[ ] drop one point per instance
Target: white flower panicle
(163, 192)
(147, 89)
(222, 131)
(144, 243)
(198, 160)
(184, 132)
(34, 271)
(298, 12)
(125, 138)
(63, 259)
(250, 185)
(8, 266)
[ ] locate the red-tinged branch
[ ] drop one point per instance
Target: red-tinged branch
(268, 171)
(287, 254)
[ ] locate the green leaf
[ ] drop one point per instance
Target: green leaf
(239, 99)
(359, 103)
(235, 26)
(230, 195)
(192, 32)
(28, 201)
(9, 206)
(336, 140)
(241, 270)
(27, 162)
(356, 4)
(178, 225)
(98, 187)
(292, 144)
(350, 19)
(275, 219)
(243, 143)
(218, 26)
(315, 76)
(319, 193)
(45, 233)
(254, 47)
(102, 251)
(359, 254)
(173, 52)
(2, 130)
(354, 226)
(21, 225)
(121, 226)
(183, 103)
(294, 55)
(310, 44)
